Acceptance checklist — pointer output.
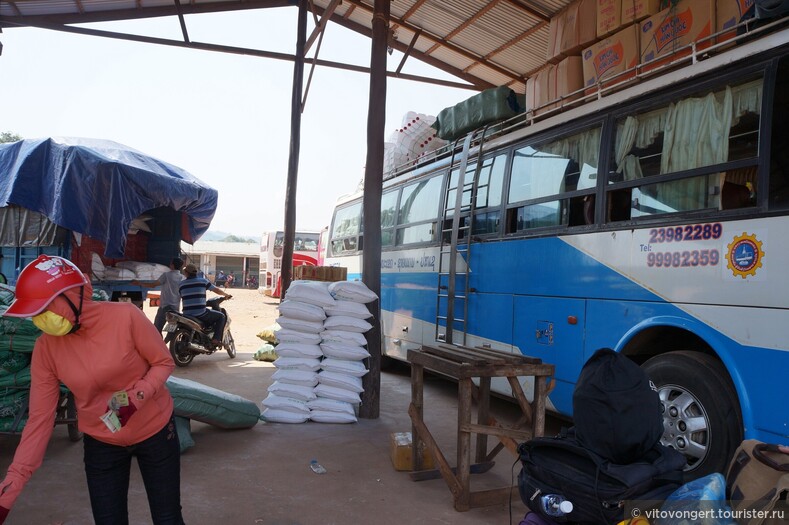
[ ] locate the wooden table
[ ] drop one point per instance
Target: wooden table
(465, 364)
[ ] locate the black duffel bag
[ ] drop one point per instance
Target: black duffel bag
(597, 488)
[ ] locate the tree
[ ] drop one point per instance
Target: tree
(234, 238)
(8, 136)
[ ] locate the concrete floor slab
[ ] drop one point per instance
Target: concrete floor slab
(261, 475)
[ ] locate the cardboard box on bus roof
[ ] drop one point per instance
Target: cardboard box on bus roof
(635, 10)
(579, 26)
(674, 28)
(611, 56)
(728, 13)
(547, 86)
(608, 16)
(540, 88)
(569, 77)
(555, 36)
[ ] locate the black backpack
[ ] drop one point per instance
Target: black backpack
(597, 488)
(616, 409)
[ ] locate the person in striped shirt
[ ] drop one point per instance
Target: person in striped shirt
(193, 291)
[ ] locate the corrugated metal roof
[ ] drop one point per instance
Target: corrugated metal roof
(483, 42)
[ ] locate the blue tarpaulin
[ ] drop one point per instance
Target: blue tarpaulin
(97, 187)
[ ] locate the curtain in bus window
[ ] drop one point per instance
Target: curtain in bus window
(696, 135)
(627, 164)
(640, 132)
(746, 98)
(692, 133)
(582, 150)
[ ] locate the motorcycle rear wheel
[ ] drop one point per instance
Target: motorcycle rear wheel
(230, 345)
(179, 348)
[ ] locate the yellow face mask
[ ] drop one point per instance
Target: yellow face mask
(52, 324)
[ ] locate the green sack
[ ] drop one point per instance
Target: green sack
(203, 403)
(18, 342)
(489, 106)
(8, 424)
(12, 362)
(21, 378)
(17, 326)
(267, 352)
(184, 428)
(6, 297)
(12, 402)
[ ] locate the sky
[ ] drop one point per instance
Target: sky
(224, 118)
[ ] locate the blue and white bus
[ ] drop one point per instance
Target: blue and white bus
(653, 220)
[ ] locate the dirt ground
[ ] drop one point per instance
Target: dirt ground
(250, 312)
(260, 476)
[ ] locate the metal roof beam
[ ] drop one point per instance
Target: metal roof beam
(442, 65)
(181, 20)
(466, 23)
(320, 26)
(408, 51)
(476, 82)
(148, 12)
(537, 14)
(13, 22)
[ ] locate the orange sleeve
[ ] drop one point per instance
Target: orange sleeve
(151, 347)
(44, 397)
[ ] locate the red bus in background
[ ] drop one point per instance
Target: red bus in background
(305, 252)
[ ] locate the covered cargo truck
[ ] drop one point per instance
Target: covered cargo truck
(117, 213)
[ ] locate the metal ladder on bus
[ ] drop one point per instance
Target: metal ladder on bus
(448, 275)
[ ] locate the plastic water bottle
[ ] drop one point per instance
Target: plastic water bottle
(317, 467)
(555, 505)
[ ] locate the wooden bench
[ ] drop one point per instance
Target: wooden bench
(465, 364)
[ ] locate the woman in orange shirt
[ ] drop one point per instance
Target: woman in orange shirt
(112, 359)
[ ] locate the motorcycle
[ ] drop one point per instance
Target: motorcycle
(187, 337)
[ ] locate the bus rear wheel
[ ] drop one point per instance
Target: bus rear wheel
(701, 414)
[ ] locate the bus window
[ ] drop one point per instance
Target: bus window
(489, 188)
(779, 167)
(345, 229)
(550, 169)
(418, 211)
(487, 216)
(388, 217)
(695, 132)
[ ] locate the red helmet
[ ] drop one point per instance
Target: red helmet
(41, 281)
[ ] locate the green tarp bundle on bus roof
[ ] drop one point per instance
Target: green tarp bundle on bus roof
(489, 106)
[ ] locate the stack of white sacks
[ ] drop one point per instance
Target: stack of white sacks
(321, 353)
